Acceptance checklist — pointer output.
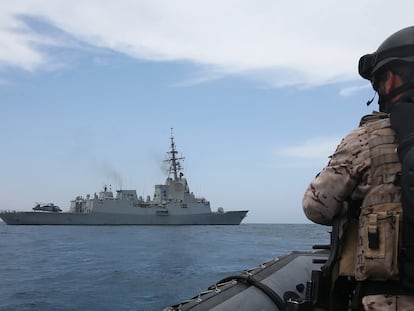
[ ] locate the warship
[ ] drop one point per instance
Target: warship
(172, 204)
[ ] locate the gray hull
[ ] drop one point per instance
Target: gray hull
(50, 218)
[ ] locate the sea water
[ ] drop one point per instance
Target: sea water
(133, 267)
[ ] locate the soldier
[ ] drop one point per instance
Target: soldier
(369, 183)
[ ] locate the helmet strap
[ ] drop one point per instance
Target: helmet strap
(384, 101)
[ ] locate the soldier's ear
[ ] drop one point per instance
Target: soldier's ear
(392, 81)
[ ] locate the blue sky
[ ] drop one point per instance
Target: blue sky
(258, 93)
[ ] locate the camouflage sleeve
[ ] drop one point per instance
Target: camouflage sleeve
(345, 176)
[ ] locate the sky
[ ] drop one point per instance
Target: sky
(258, 93)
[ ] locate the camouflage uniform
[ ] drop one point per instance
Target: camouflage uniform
(345, 177)
(363, 168)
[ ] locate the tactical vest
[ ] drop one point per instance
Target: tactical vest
(374, 238)
(406, 259)
(401, 117)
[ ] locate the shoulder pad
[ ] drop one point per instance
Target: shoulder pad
(375, 116)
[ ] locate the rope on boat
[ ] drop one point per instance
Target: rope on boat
(250, 280)
(232, 280)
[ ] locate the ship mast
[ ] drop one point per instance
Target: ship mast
(175, 166)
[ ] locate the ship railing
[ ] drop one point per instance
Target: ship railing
(7, 211)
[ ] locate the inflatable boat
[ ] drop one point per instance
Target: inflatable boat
(287, 282)
(297, 281)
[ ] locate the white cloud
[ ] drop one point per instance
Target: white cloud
(312, 148)
(202, 77)
(15, 44)
(279, 42)
(312, 152)
(349, 91)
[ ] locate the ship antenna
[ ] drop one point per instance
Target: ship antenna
(175, 166)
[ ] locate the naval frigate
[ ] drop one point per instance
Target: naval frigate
(172, 204)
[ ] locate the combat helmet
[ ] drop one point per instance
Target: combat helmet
(397, 47)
